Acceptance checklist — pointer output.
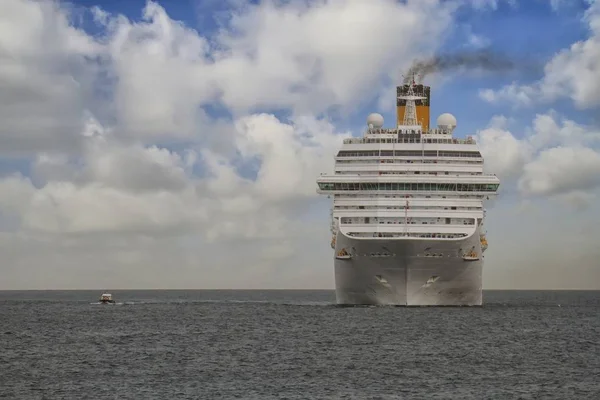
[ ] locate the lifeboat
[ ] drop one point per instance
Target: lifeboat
(343, 255)
(470, 256)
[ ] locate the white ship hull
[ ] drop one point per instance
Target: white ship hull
(412, 272)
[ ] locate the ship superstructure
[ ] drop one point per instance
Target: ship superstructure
(408, 210)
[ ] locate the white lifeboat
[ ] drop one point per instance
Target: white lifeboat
(470, 256)
(343, 255)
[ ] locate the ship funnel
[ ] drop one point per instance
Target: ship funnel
(422, 105)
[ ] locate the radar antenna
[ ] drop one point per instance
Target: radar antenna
(410, 111)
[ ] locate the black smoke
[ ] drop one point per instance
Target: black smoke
(481, 59)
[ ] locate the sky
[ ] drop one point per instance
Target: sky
(176, 144)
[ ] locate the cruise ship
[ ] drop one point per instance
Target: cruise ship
(408, 210)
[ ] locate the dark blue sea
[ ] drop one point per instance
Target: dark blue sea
(296, 345)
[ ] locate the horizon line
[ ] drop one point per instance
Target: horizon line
(271, 289)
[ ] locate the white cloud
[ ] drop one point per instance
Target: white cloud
(572, 73)
(288, 153)
(504, 154)
(268, 56)
(566, 162)
(491, 4)
(551, 129)
(518, 95)
(309, 58)
(115, 183)
(46, 77)
(551, 158)
(163, 72)
(562, 170)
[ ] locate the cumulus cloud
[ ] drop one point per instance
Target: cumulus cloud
(555, 157)
(47, 70)
(562, 170)
(150, 130)
(518, 95)
(504, 154)
(572, 73)
(330, 54)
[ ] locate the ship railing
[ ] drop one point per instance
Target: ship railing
(370, 140)
(384, 235)
(381, 205)
(416, 223)
(353, 171)
(467, 162)
(382, 131)
(417, 158)
(396, 216)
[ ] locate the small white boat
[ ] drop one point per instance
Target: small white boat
(106, 298)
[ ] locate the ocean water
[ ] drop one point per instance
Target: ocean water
(296, 345)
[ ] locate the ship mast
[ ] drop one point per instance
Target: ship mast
(410, 110)
(410, 119)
